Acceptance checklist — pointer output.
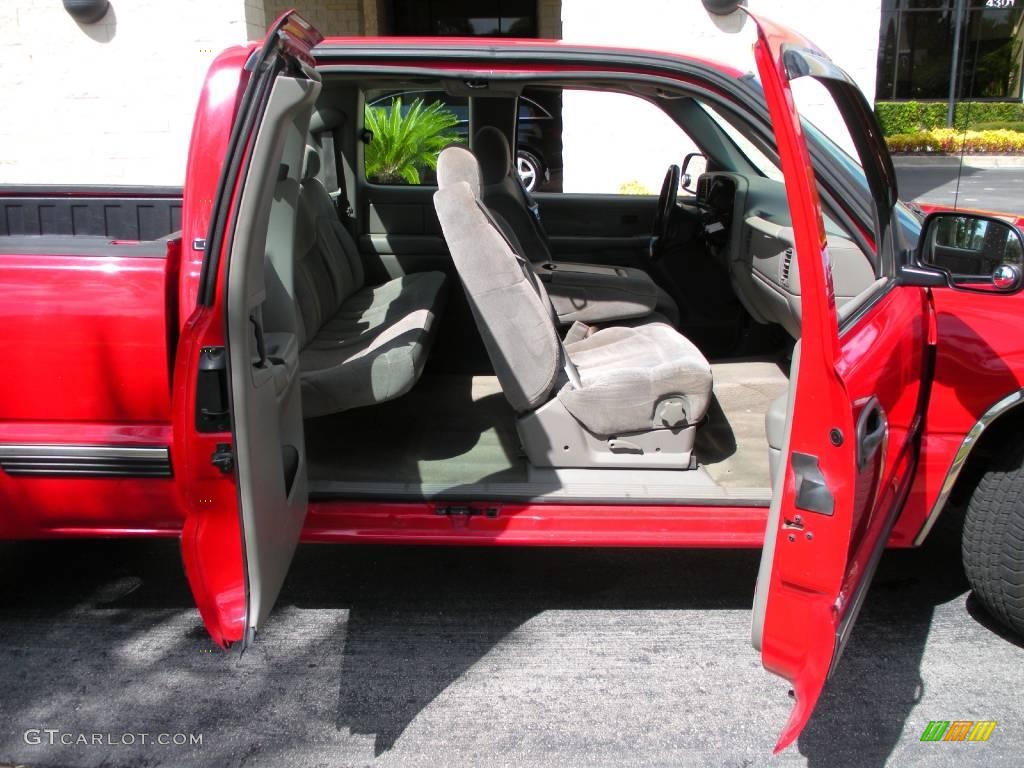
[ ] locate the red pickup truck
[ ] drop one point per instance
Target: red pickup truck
(775, 352)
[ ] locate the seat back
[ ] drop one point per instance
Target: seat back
(503, 192)
(513, 318)
(328, 267)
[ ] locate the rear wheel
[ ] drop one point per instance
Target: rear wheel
(530, 170)
(993, 539)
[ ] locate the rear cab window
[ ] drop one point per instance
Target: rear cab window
(405, 131)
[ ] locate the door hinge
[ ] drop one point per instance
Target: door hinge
(223, 458)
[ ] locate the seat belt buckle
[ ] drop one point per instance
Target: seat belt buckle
(535, 210)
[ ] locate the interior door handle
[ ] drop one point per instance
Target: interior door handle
(872, 429)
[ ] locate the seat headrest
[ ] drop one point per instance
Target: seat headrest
(311, 166)
(325, 119)
(456, 164)
(493, 152)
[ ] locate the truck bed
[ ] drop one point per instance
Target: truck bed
(118, 213)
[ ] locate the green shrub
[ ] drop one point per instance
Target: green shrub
(952, 141)
(406, 142)
(903, 117)
(998, 125)
(633, 187)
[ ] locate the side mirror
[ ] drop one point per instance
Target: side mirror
(694, 164)
(976, 252)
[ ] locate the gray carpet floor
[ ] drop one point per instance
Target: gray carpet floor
(449, 430)
(731, 444)
(456, 430)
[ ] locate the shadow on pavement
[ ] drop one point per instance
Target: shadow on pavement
(80, 623)
(882, 660)
(419, 618)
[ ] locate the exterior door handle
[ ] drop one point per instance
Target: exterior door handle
(872, 429)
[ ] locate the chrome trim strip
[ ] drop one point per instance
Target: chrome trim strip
(960, 459)
(85, 460)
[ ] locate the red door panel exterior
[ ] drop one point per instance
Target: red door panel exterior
(855, 423)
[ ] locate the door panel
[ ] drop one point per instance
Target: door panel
(401, 233)
(263, 360)
(599, 229)
(245, 490)
(855, 419)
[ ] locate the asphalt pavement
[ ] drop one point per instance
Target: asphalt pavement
(988, 183)
(390, 656)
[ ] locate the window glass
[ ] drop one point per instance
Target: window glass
(615, 143)
(993, 48)
(409, 129)
(539, 139)
(915, 51)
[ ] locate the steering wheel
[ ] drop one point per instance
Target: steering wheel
(666, 203)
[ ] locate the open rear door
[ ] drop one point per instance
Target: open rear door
(855, 413)
(239, 452)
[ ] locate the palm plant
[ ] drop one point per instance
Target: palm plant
(406, 141)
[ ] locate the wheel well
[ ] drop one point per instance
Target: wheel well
(1006, 430)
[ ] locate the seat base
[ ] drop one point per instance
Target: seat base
(552, 437)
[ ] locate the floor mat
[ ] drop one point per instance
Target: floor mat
(415, 438)
(731, 445)
(454, 430)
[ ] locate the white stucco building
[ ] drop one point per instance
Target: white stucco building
(111, 102)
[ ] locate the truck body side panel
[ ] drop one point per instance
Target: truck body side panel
(89, 331)
(979, 360)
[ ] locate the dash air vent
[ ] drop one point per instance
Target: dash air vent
(787, 262)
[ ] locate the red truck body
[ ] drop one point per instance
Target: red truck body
(103, 347)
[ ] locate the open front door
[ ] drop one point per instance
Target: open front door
(239, 451)
(855, 412)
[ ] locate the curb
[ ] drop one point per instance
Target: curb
(969, 161)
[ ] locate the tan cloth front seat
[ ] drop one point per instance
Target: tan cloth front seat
(623, 396)
(502, 192)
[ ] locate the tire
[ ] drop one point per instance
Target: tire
(993, 539)
(530, 170)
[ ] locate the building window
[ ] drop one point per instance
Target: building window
(466, 18)
(916, 49)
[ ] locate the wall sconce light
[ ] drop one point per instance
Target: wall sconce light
(86, 11)
(722, 7)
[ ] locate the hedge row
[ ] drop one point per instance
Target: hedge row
(998, 125)
(904, 117)
(950, 140)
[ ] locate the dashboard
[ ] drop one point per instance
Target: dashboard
(749, 231)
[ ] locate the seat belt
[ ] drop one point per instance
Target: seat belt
(534, 208)
(571, 372)
(342, 206)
